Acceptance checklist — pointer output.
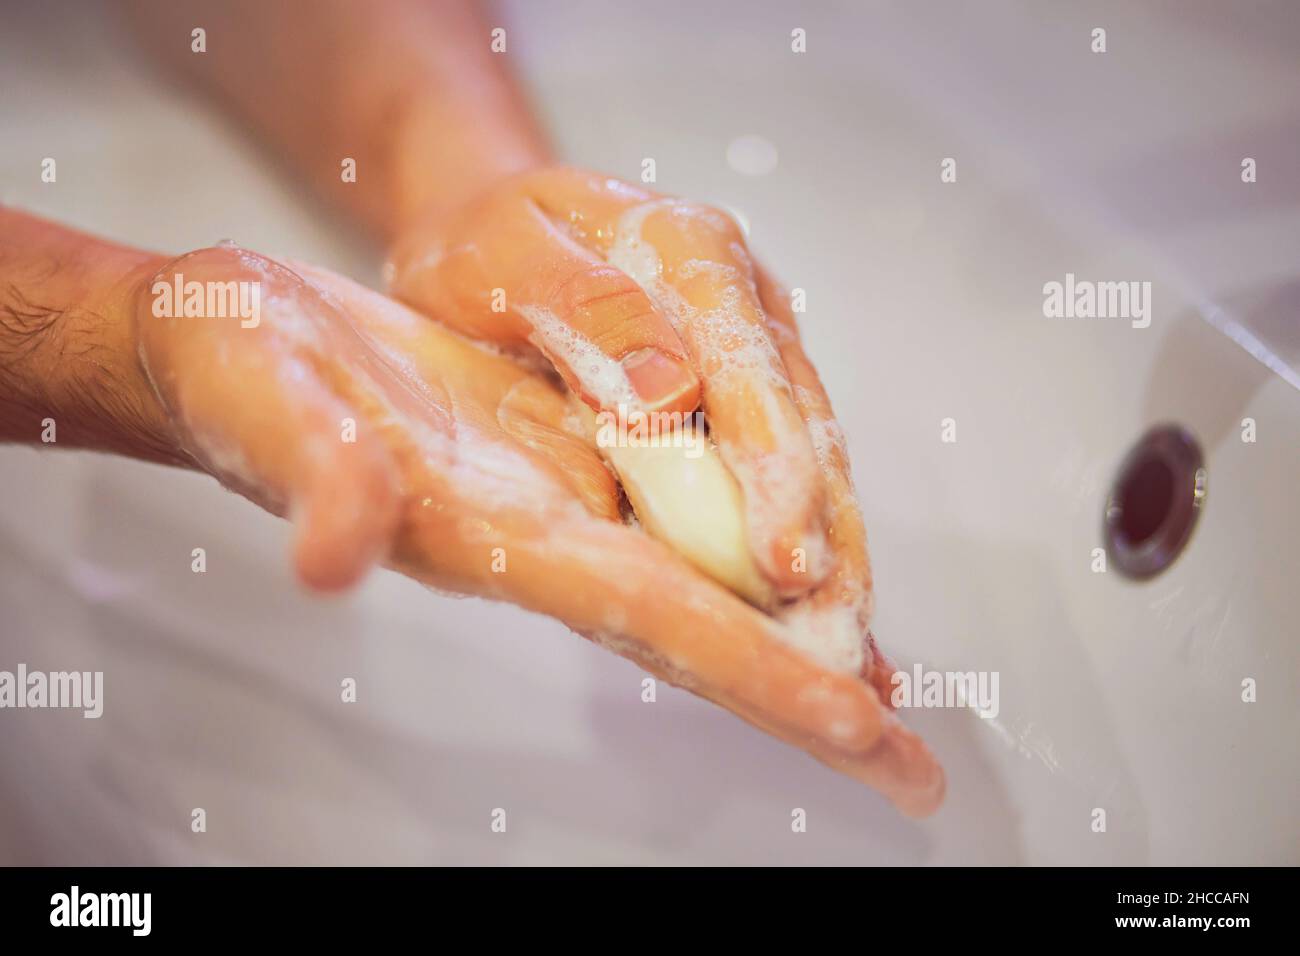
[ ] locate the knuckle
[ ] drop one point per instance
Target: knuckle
(599, 286)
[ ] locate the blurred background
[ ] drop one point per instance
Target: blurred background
(924, 303)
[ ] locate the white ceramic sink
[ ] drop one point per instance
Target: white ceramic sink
(924, 303)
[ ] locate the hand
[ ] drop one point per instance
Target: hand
(646, 302)
(592, 272)
(469, 473)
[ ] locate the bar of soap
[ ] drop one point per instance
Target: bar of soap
(684, 495)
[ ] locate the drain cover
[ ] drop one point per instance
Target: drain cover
(1154, 502)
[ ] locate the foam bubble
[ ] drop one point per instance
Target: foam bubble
(633, 255)
(832, 636)
(601, 375)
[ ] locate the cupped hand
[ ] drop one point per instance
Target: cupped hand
(390, 438)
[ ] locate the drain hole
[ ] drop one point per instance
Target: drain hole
(1144, 500)
(1154, 502)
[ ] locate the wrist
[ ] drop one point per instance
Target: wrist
(131, 419)
(70, 372)
(440, 166)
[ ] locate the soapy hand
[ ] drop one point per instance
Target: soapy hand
(642, 302)
(387, 437)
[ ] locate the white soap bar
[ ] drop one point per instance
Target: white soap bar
(684, 495)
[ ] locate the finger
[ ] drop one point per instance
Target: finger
(693, 263)
(247, 394)
(636, 596)
(850, 580)
(705, 281)
(901, 766)
(506, 272)
(478, 388)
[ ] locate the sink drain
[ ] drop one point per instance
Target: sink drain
(1155, 501)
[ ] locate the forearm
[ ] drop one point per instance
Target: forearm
(409, 89)
(67, 342)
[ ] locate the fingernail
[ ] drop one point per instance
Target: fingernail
(662, 382)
